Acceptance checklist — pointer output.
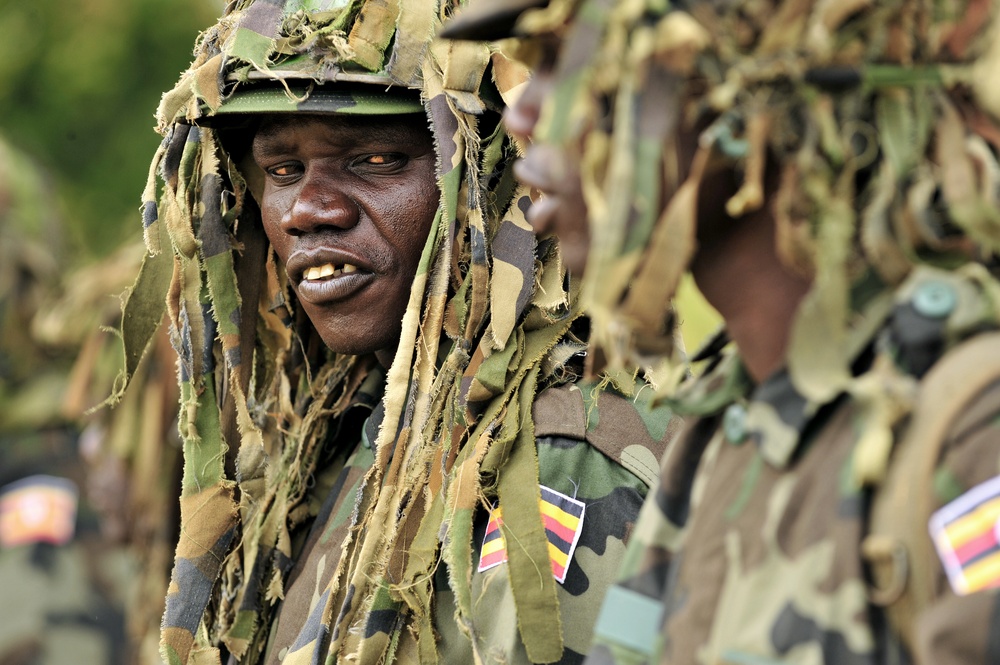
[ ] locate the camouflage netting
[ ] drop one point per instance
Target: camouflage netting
(881, 119)
(486, 328)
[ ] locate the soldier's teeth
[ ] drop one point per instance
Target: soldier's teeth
(348, 268)
(318, 272)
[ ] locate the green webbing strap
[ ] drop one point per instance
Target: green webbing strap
(528, 564)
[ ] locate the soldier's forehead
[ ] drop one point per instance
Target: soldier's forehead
(403, 133)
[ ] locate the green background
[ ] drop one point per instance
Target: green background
(79, 83)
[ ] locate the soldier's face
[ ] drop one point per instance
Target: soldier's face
(347, 204)
(550, 169)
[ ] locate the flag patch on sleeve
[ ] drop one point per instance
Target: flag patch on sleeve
(966, 533)
(563, 520)
(38, 509)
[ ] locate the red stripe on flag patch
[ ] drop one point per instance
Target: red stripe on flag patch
(553, 525)
(494, 550)
(966, 533)
(562, 517)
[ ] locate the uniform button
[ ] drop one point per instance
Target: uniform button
(935, 299)
(734, 424)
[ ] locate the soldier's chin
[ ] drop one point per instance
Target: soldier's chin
(382, 342)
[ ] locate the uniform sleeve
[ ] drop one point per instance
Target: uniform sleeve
(628, 627)
(962, 624)
(597, 460)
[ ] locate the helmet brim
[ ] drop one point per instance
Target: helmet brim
(315, 98)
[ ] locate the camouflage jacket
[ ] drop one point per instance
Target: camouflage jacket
(751, 550)
(597, 457)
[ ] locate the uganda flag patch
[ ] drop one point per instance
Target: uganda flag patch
(966, 533)
(563, 519)
(39, 509)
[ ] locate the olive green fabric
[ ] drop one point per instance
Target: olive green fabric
(589, 442)
(131, 452)
(880, 125)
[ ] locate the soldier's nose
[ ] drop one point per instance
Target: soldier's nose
(320, 204)
(521, 118)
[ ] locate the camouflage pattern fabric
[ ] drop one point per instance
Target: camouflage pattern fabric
(69, 604)
(131, 453)
(879, 123)
(262, 403)
(592, 445)
(828, 91)
(752, 550)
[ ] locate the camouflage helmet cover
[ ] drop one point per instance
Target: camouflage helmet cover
(296, 46)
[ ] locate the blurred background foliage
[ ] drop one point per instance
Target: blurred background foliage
(79, 83)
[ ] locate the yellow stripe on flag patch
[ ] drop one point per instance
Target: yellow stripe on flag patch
(571, 522)
(968, 527)
(562, 528)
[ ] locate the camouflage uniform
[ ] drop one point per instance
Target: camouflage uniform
(768, 539)
(753, 550)
(602, 453)
(271, 419)
(130, 453)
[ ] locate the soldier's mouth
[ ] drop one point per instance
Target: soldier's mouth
(327, 271)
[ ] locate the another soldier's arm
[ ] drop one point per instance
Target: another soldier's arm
(962, 623)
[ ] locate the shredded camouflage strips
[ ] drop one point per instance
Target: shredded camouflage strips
(485, 329)
(878, 117)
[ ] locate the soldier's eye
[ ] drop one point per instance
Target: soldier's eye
(284, 172)
(383, 161)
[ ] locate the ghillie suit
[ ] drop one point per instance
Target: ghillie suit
(487, 327)
(859, 104)
(791, 523)
(131, 453)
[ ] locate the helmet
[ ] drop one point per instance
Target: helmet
(273, 57)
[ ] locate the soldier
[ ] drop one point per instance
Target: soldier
(828, 174)
(373, 344)
(64, 588)
(129, 455)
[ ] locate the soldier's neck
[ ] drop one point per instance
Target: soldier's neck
(742, 278)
